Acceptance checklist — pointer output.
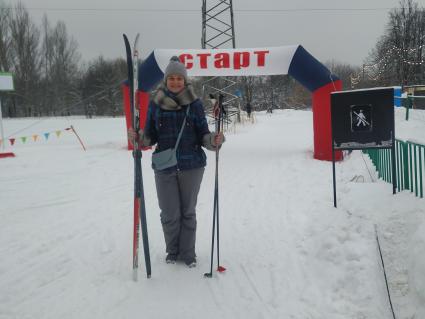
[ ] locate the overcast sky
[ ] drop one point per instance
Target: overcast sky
(345, 35)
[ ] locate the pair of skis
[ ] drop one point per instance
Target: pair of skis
(139, 196)
(218, 112)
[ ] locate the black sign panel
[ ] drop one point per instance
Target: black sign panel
(363, 119)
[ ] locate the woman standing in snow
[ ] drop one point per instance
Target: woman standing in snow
(176, 123)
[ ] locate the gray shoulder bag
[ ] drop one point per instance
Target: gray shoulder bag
(167, 158)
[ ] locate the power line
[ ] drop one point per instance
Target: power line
(68, 108)
(196, 11)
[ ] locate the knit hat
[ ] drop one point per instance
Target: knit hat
(175, 67)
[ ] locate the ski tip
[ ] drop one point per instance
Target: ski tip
(208, 275)
(221, 269)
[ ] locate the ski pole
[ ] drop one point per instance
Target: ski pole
(217, 114)
(220, 129)
(209, 274)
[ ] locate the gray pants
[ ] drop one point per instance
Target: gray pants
(177, 196)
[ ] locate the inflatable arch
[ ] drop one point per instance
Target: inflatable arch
(292, 60)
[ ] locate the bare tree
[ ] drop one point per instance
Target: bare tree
(46, 57)
(299, 96)
(5, 37)
(25, 58)
(63, 66)
(5, 61)
(343, 71)
(398, 57)
(101, 86)
(247, 88)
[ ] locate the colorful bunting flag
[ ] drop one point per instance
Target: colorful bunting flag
(36, 136)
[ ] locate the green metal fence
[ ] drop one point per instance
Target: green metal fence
(408, 103)
(410, 165)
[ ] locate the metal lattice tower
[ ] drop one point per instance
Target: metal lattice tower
(217, 24)
(218, 32)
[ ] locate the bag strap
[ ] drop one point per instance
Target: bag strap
(182, 129)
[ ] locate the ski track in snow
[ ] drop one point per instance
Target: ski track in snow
(66, 231)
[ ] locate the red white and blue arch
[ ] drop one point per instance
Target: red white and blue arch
(292, 60)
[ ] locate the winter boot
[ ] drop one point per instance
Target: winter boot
(171, 258)
(191, 263)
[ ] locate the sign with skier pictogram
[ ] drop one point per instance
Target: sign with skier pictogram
(363, 119)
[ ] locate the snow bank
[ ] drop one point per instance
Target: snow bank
(66, 230)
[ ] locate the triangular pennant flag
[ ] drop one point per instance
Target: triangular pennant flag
(58, 133)
(46, 135)
(23, 139)
(12, 141)
(34, 137)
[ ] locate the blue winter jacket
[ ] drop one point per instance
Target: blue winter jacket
(163, 128)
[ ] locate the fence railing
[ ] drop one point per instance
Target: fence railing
(410, 165)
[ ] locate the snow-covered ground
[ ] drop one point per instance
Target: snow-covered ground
(66, 230)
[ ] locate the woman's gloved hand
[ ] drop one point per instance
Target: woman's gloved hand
(132, 135)
(217, 139)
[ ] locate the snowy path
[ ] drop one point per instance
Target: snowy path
(66, 231)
